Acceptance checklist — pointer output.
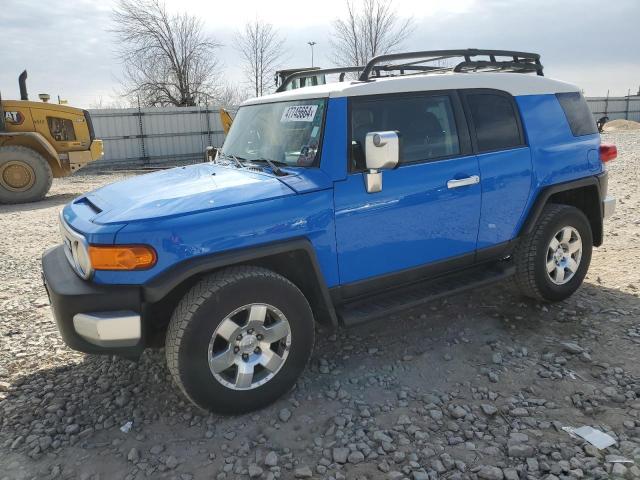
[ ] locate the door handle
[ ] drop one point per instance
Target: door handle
(463, 182)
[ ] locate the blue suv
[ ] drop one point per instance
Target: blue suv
(338, 204)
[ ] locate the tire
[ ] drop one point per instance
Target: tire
(549, 277)
(25, 176)
(207, 310)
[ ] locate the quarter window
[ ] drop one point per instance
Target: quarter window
(578, 113)
(426, 125)
(495, 121)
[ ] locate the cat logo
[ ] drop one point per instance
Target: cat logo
(14, 118)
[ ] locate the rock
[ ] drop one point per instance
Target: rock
(619, 470)
(488, 472)
(271, 460)
(156, 449)
(520, 450)
(171, 462)
(510, 474)
(404, 420)
(532, 465)
(572, 347)
(380, 436)
(493, 377)
(45, 442)
(133, 455)
(497, 358)
(457, 412)
(284, 415)
(340, 455)
(355, 457)
(517, 437)
(254, 471)
(519, 412)
(71, 429)
(303, 472)
(489, 410)
(438, 466)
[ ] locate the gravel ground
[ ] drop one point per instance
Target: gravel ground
(474, 386)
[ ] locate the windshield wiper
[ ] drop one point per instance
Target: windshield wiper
(276, 169)
(232, 157)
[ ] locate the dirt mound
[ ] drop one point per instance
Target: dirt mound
(620, 124)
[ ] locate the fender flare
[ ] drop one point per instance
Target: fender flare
(164, 283)
(546, 193)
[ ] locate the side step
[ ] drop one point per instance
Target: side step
(410, 296)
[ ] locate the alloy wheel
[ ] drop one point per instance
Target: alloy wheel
(563, 255)
(250, 346)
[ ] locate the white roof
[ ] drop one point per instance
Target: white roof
(514, 83)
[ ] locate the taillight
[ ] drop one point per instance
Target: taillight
(608, 152)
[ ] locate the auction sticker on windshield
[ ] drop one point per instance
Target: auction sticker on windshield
(299, 113)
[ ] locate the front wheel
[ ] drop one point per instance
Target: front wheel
(552, 261)
(239, 339)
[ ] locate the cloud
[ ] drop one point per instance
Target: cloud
(68, 51)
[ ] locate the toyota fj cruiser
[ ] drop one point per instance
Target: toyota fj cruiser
(336, 203)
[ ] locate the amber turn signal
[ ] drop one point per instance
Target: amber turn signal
(122, 257)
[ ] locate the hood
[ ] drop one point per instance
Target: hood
(180, 191)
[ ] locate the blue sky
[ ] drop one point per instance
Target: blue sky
(68, 51)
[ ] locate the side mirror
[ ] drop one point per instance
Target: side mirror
(382, 152)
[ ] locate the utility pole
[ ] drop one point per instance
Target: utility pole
(311, 44)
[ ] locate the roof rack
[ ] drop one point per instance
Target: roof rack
(293, 74)
(512, 61)
(519, 62)
(317, 71)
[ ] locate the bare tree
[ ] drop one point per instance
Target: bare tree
(109, 102)
(371, 28)
(261, 48)
(230, 95)
(168, 59)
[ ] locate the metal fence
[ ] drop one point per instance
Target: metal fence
(166, 136)
(153, 137)
(627, 108)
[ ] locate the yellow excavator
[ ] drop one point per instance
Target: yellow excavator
(40, 141)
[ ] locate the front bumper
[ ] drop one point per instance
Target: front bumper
(93, 318)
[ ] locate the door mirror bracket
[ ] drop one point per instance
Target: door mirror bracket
(382, 152)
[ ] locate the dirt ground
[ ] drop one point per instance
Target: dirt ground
(475, 386)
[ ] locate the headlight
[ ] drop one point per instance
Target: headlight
(83, 261)
(76, 250)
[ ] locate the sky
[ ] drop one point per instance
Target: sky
(67, 48)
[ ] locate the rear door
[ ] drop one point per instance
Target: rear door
(420, 217)
(504, 160)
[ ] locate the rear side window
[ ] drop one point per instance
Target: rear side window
(495, 121)
(426, 125)
(578, 114)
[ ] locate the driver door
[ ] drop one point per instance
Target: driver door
(429, 207)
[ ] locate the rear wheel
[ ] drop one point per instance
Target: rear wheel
(25, 176)
(553, 260)
(239, 339)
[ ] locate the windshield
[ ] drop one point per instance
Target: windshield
(288, 133)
